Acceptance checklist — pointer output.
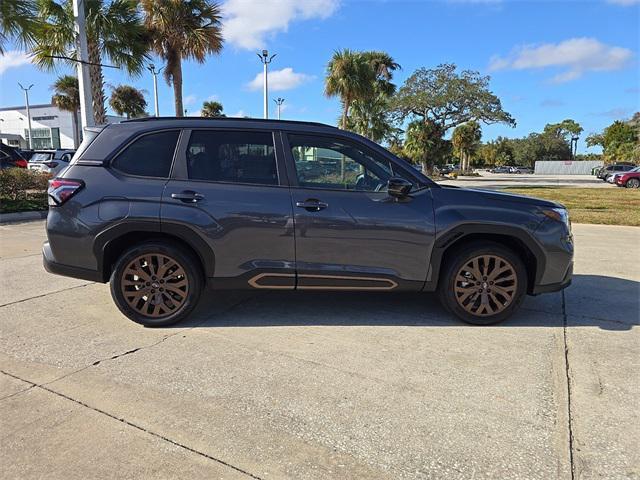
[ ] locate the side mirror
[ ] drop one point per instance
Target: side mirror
(398, 187)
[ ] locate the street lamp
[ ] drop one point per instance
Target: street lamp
(279, 101)
(574, 146)
(152, 69)
(26, 98)
(266, 60)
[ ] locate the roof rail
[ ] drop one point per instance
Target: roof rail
(229, 119)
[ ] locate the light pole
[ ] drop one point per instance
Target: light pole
(279, 101)
(266, 60)
(574, 146)
(26, 99)
(152, 69)
(84, 79)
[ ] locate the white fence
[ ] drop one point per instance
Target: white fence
(567, 167)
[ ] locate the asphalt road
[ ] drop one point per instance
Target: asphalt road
(315, 386)
(494, 181)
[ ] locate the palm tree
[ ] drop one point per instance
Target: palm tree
(370, 117)
(349, 77)
(212, 109)
(466, 140)
(114, 33)
(127, 100)
(67, 97)
(182, 29)
(18, 21)
(383, 66)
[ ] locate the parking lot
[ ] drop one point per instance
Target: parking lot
(292, 385)
(502, 180)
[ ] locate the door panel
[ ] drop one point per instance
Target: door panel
(233, 199)
(350, 234)
(366, 235)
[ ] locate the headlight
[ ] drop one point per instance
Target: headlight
(559, 215)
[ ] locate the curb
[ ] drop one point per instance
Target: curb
(18, 217)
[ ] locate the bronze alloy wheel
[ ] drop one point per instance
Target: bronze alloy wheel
(155, 285)
(485, 285)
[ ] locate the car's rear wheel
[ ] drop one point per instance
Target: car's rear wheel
(633, 183)
(156, 284)
(483, 283)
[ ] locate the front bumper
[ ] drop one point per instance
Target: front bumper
(66, 270)
(555, 287)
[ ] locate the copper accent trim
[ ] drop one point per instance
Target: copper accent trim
(390, 283)
(254, 281)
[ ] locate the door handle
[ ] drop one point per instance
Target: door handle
(312, 205)
(188, 196)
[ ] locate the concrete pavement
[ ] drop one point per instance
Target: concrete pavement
(293, 385)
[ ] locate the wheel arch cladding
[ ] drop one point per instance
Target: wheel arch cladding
(517, 240)
(109, 247)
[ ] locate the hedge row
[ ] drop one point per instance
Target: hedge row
(21, 183)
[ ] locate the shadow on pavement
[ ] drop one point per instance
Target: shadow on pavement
(592, 300)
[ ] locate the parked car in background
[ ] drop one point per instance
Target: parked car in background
(11, 157)
(613, 169)
(520, 170)
(502, 169)
(50, 161)
(630, 179)
(163, 207)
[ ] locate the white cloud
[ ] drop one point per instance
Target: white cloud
(624, 3)
(13, 59)
(279, 80)
(189, 100)
(248, 23)
(576, 56)
(240, 114)
(615, 113)
(213, 98)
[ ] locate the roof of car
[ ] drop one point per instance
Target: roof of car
(228, 122)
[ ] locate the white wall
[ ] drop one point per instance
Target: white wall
(566, 167)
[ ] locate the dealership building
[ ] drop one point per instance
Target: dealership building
(51, 127)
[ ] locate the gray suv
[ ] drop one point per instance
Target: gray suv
(163, 208)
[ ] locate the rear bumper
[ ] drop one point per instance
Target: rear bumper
(554, 287)
(66, 270)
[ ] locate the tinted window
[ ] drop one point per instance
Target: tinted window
(149, 155)
(237, 157)
(327, 163)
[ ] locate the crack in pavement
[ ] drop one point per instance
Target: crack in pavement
(568, 377)
(133, 425)
(46, 294)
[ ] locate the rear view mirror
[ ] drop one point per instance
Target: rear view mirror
(398, 187)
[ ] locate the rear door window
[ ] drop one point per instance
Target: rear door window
(232, 157)
(148, 156)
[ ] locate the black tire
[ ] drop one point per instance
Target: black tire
(460, 257)
(633, 183)
(187, 272)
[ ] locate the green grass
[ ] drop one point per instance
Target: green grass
(606, 206)
(36, 201)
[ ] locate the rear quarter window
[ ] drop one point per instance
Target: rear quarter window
(148, 156)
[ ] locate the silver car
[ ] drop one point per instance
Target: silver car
(50, 161)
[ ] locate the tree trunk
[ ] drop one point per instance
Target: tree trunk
(177, 87)
(97, 84)
(345, 112)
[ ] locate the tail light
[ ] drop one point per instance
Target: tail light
(62, 189)
(21, 163)
(51, 164)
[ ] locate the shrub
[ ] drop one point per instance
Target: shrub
(20, 183)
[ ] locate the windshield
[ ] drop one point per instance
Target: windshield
(41, 157)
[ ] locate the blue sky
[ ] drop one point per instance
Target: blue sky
(548, 60)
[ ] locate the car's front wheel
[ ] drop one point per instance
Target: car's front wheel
(156, 283)
(483, 283)
(633, 183)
